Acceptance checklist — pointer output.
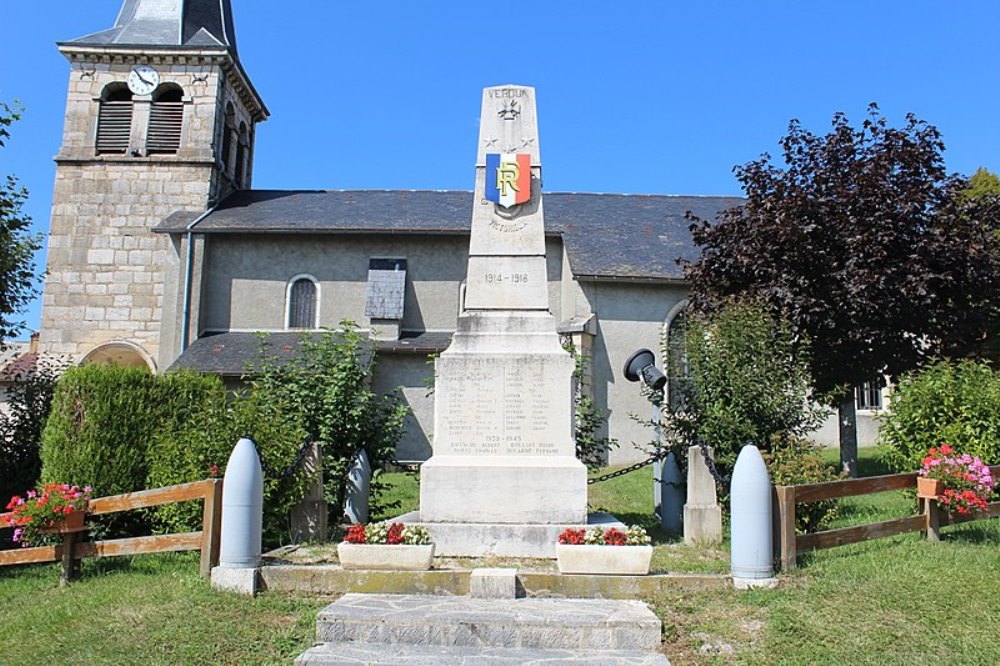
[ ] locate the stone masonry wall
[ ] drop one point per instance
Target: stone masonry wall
(106, 269)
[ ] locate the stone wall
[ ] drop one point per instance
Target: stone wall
(106, 272)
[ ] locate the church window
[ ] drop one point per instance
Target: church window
(166, 117)
(869, 395)
(114, 120)
(302, 303)
(678, 370)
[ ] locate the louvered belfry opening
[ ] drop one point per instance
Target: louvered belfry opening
(228, 133)
(241, 156)
(114, 121)
(302, 304)
(166, 118)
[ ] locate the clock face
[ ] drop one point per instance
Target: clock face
(143, 79)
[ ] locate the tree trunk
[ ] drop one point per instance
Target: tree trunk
(848, 420)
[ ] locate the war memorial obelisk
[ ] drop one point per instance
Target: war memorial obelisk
(504, 477)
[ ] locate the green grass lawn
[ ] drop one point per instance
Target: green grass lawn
(900, 600)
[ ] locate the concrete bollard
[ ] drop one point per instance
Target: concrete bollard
(752, 552)
(671, 494)
(358, 486)
(242, 521)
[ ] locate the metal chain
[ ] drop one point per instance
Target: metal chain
(710, 463)
(662, 453)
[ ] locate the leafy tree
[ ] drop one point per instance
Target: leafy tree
(864, 243)
(983, 183)
(17, 244)
(29, 400)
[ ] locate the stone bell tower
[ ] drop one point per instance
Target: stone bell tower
(160, 119)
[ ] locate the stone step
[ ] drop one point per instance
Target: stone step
(575, 624)
(352, 654)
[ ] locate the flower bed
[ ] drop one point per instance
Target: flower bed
(966, 482)
(386, 546)
(610, 552)
(45, 510)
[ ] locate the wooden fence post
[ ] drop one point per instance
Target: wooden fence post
(211, 527)
(933, 515)
(786, 525)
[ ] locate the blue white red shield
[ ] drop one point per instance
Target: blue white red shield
(508, 178)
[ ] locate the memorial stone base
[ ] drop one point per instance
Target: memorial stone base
(501, 539)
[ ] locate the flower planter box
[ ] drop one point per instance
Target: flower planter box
(397, 557)
(929, 488)
(73, 522)
(607, 560)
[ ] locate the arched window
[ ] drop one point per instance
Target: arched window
(302, 303)
(241, 155)
(114, 120)
(675, 356)
(228, 134)
(166, 118)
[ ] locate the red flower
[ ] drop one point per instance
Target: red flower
(572, 537)
(394, 534)
(614, 537)
(355, 534)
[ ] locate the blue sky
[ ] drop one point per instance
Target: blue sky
(638, 97)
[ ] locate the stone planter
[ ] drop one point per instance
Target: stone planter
(397, 557)
(607, 560)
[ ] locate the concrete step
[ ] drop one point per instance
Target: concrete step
(574, 624)
(352, 654)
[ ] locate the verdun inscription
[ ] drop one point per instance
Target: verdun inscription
(503, 449)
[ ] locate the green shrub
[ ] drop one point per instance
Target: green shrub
(747, 381)
(945, 403)
(102, 420)
(327, 388)
(197, 445)
(592, 448)
(794, 460)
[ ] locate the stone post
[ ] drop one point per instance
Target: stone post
(309, 516)
(702, 514)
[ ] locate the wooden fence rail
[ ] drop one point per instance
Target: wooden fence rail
(929, 519)
(207, 540)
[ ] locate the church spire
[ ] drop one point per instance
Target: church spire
(169, 23)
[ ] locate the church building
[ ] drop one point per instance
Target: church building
(162, 254)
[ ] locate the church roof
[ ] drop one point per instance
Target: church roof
(614, 236)
(169, 23)
(232, 353)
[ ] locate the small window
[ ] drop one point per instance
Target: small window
(302, 303)
(869, 395)
(166, 119)
(114, 121)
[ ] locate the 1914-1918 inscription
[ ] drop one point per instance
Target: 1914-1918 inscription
(496, 406)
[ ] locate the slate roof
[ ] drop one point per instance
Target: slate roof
(634, 236)
(228, 353)
(169, 23)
